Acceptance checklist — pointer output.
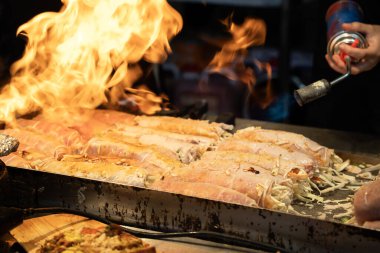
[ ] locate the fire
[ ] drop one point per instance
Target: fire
(74, 57)
(230, 60)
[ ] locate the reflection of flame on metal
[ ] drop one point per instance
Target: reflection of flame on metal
(73, 58)
(230, 60)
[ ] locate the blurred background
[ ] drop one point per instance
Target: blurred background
(295, 48)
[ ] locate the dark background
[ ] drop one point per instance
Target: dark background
(295, 47)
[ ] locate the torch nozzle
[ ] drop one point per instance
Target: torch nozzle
(319, 88)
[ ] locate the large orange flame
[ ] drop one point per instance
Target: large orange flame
(74, 56)
(230, 60)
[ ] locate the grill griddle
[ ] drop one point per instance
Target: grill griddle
(168, 212)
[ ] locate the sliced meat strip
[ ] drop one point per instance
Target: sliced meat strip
(137, 131)
(253, 181)
(186, 152)
(203, 190)
(268, 149)
(108, 172)
(38, 142)
(185, 126)
(275, 165)
(65, 135)
(155, 172)
(291, 141)
(108, 147)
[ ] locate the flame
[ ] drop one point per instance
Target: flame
(230, 60)
(74, 56)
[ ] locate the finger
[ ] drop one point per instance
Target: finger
(357, 27)
(357, 53)
(339, 62)
(334, 66)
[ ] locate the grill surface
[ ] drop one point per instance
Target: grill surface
(163, 211)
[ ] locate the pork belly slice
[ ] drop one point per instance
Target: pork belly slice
(108, 172)
(269, 149)
(253, 181)
(274, 165)
(185, 126)
(185, 151)
(38, 142)
(203, 190)
(98, 146)
(65, 135)
(288, 140)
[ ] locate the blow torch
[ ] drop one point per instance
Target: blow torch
(338, 13)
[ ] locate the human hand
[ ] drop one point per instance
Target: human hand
(367, 57)
(367, 205)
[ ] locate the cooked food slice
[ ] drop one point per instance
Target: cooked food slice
(153, 172)
(185, 151)
(38, 142)
(95, 240)
(202, 190)
(253, 181)
(268, 149)
(137, 131)
(65, 135)
(275, 165)
(102, 171)
(291, 141)
(185, 126)
(107, 147)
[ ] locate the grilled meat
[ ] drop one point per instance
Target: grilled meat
(288, 140)
(197, 158)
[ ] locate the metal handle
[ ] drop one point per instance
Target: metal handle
(347, 74)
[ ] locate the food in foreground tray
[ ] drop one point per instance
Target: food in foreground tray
(96, 240)
(253, 167)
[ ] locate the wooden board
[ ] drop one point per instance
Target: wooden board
(33, 232)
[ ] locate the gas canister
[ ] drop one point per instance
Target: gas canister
(341, 12)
